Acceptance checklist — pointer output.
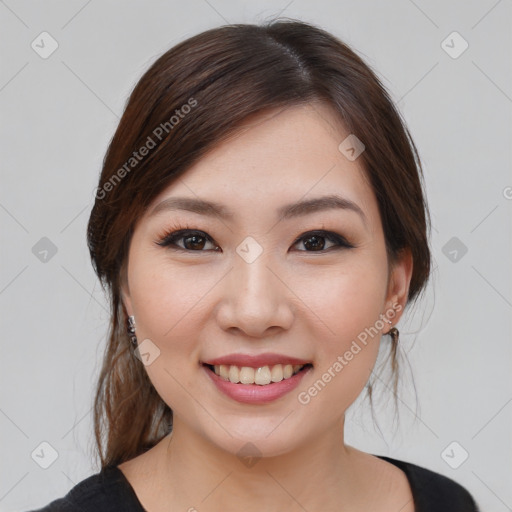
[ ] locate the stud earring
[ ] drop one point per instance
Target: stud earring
(131, 330)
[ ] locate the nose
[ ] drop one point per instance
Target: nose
(255, 300)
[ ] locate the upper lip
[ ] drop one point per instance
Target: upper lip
(255, 361)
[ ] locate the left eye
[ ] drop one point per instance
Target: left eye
(315, 240)
(195, 241)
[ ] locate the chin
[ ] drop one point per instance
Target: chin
(260, 437)
(247, 447)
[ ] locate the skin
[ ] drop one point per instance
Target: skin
(292, 300)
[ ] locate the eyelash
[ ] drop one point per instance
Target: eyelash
(178, 232)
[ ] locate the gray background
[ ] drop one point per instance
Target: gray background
(58, 115)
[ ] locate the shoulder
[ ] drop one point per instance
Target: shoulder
(106, 490)
(434, 491)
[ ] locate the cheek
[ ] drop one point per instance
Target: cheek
(347, 305)
(167, 298)
(168, 305)
(347, 299)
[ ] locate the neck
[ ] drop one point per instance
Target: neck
(202, 476)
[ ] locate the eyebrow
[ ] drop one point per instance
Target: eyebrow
(298, 209)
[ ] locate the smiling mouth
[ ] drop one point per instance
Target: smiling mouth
(262, 376)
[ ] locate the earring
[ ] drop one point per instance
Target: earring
(394, 333)
(131, 330)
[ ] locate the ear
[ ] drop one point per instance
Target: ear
(398, 284)
(125, 290)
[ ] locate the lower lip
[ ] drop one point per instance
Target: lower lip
(254, 393)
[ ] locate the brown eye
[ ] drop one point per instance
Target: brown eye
(315, 241)
(192, 240)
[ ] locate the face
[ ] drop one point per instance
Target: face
(256, 289)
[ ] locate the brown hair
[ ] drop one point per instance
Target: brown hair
(193, 97)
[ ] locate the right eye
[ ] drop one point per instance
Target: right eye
(193, 240)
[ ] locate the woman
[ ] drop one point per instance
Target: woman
(259, 223)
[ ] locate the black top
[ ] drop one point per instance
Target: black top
(109, 490)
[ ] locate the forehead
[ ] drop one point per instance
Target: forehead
(277, 158)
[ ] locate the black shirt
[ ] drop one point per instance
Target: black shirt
(109, 490)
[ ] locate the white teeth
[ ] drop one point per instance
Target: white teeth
(234, 374)
(277, 373)
(261, 376)
(247, 375)
(223, 371)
